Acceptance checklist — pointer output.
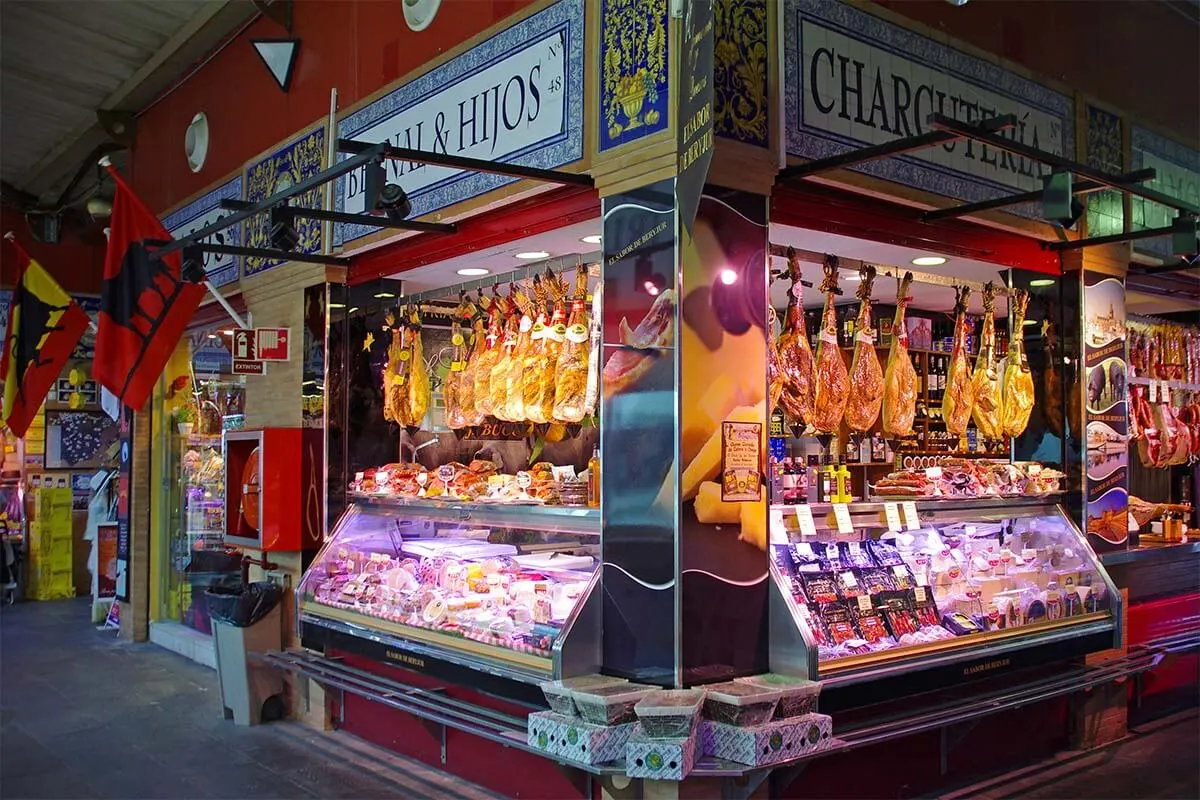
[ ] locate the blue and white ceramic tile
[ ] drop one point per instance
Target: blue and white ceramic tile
(287, 166)
(202, 212)
(1178, 169)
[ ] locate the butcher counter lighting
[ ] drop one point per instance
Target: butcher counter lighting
(473, 272)
(532, 254)
(594, 239)
(928, 261)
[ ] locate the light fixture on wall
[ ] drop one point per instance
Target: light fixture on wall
(419, 13)
(283, 233)
(1059, 203)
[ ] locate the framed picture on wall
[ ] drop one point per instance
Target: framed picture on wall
(78, 440)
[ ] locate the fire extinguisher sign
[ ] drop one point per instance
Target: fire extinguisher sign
(262, 344)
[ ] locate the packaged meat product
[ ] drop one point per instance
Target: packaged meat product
(570, 391)
(839, 622)
(610, 705)
(872, 627)
(832, 379)
(985, 381)
(805, 558)
(740, 703)
(866, 374)
(960, 391)
(1017, 391)
(796, 364)
(820, 588)
(876, 580)
(854, 555)
(848, 585)
(797, 696)
(900, 379)
(924, 606)
(830, 556)
(781, 555)
(669, 713)
(885, 554)
(490, 354)
(559, 694)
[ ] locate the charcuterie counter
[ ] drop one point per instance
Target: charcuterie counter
(926, 593)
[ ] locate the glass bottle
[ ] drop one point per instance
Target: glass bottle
(594, 479)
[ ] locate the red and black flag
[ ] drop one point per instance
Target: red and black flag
(44, 325)
(145, 303)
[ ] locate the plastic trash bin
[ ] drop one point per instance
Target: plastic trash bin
(251, 691)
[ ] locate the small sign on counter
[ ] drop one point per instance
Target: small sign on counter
(741, 460)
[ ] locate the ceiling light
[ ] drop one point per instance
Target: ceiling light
(384, 296)
(728, 276)
(212, 336)
(928, 261)
(853, 276)
(595, 239)
(352, 310)
(1030, 322)
(337, 305)
(532, 254)
(228, 332)
(474, 272)
(1042, 282)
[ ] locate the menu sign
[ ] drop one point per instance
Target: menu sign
(741, 453)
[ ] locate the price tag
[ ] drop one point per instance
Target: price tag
(524, 479)
(892, 512)
(912, 522)
(841, 512)
(778, 533)
(445, 473)
(864, 602)
(933, 473)
(1153, 392)
(1164, 392)
(381, 478)
(855, 548)
(919, 593)
(804, 519)
(900, 571)
(849, 580)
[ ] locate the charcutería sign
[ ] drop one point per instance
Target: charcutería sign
(516, 98)
(855, 80)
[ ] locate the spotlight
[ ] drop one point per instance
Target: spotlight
(283, 233)
(1059, 203)
(192, 266)
(99, 208)
(928, 261)
(381, 197)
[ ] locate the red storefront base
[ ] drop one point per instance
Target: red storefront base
(1173, 683)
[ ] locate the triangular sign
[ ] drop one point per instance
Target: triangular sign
(279, 55)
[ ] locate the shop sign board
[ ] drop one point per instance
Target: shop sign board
(854, 80)
(220, 268)
(124, 549)
(1178, 176)
(516, 98)
(695, 108)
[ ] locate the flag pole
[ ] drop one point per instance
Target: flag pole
(10, 236)
(106, 163)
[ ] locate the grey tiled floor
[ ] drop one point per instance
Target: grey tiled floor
(83, 714)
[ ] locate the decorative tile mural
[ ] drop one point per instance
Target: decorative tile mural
(200, 213)
(741, 107)
(286, 167)
(1104, 149)
(1178, 169)
(634, 58)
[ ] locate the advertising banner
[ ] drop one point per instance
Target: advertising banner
(1107, 464)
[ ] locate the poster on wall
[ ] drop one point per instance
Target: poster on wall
(124, 549)
(1106, 406)
(78, 440)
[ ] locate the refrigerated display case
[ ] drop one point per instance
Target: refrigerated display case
(504, 589)
(950, 590)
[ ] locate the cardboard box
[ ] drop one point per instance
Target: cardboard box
(661, 759)
(576, 740)
(770, 743)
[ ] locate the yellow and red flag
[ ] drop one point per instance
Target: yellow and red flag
(44, 325)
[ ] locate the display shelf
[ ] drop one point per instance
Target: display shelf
(560, 519)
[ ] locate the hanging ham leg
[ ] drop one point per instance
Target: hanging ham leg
(866, 374)
(774, 371)
(1052, 409)
(960, 391)
(832, 379)
(900, 380)
(985, 381)
(796, 364)
(1017, 392)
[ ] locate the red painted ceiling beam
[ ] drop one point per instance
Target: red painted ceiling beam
(527, 217)
(823, 208)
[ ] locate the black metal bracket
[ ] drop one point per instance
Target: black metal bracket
(1083, 187)
(354, 219)
(893, 148)
(1116, 238)
(469, 164)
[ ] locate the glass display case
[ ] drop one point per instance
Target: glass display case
(910, 584)
(503, 588)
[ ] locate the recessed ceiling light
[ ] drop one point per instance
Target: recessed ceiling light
(473, 272)
(337, 305)
(352, 310)
(532, 254)
(928, 261)
(1042, 282)
(227, 332)
(1030, 322)
(728, 276)
(596, 239)
(384, 296)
